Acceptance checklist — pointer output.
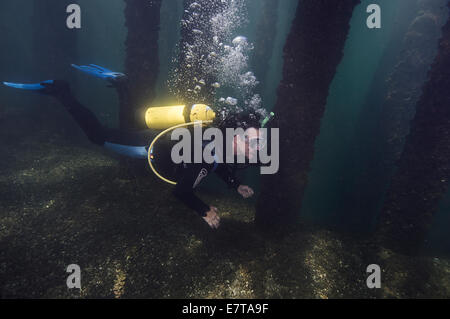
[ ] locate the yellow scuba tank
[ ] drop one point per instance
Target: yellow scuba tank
(169, 116)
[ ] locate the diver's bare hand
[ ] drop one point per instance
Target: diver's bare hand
(212, 218)
(245, 191)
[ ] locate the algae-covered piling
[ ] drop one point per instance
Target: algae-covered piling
(312, 53)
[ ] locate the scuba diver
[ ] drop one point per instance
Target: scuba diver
(135, 143)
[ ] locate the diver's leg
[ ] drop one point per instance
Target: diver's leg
(123, 92)
(62, 92)
(117, 80)
(128, 143)
(121, 83)
(87, 121)
(124, 142)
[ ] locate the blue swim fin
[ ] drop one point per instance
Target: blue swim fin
(30, 87)
(130, 151)
(98, 71)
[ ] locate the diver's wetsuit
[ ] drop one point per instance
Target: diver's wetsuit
(135, 144)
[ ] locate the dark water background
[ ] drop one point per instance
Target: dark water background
(343, 154)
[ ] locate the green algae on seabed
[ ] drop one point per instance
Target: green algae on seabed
(68, 202)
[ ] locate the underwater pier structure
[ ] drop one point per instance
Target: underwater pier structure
(389, 107)
(142, 60)
(410, 73)
(312, 53)
(423, 173)
(403, 90)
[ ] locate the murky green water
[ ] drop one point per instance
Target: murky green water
(340, 195)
